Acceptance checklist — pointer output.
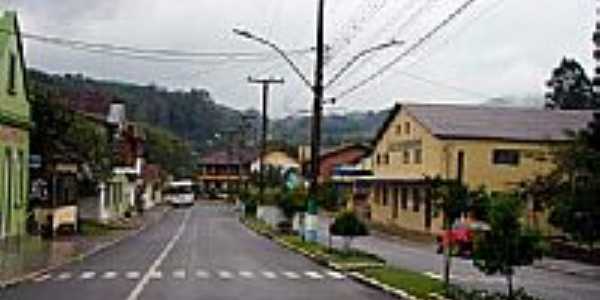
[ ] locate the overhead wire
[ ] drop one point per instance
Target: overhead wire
(415, 46)
(161, 55)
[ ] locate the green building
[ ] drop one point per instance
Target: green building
(15, 122)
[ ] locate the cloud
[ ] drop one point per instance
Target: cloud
(495, 48)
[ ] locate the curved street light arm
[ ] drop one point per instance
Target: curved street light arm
(358, 56)
(263, 41)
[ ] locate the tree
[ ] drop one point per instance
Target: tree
(452, 198)
(570, 88)
(348, 226)
(507, 244)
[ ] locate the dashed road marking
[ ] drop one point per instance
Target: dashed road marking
(179, 274)
(132, 275)
(313, 275)
(291, 275)
(225, 275)
(110, 275)
(182, 274)
(269, 274)
(202, 274)
(156, 275)
(246, 274)
(42, 278)
(88, 275)
(335, 275)
(64, 276)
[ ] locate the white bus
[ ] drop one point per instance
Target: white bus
(180, 193)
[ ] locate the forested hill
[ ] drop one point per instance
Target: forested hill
(192, 115)
(337, 128)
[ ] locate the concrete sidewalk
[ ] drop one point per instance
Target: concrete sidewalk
(24, 256)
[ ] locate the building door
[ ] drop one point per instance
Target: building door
(395, 203)
(460, 168)
(428, 209)
(8, 192)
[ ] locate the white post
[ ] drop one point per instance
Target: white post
(102, 214)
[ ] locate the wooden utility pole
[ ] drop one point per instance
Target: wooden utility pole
(315, 146)
(265, 125)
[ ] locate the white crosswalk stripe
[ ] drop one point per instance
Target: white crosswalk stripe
(156, 275)
(225, 275)
(179, 274)
(269, 274)
(313, 275)
(132, 275)
(88, 275)
(42, 278)
(335, 275)
(109, 275)
(291, 275)
(64, 276)
(246, 274)
(202, 274)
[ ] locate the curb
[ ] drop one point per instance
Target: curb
(95, 250)
(374, 283)
(565, 272)
(354, 275)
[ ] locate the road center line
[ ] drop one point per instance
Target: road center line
(135, 293)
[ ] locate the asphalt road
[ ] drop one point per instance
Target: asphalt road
(422, 258)
(197, 253)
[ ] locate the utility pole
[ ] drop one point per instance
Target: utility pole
(596, 39)
(311, 221)
(265, 126)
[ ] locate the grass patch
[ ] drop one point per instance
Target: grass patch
(414, 283)
(334, 255)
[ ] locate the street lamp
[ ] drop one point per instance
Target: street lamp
(248, 35)
(360, 55)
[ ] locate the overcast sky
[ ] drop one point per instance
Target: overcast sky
(495, 48)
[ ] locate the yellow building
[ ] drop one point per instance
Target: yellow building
(481, 146)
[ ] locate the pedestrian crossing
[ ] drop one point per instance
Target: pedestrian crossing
(199, 274)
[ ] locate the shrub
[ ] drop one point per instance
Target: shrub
(348, 226)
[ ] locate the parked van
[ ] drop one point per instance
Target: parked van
(180, 193)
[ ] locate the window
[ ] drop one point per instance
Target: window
(418, 156)
(404, 195)
(386, 158)
(399, 129)
(416, 199)
(407, 127)
(406, 157)
(378, 159)
(12, 69)
(506, 157)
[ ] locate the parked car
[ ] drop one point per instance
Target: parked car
(460, 237)
(180, 193)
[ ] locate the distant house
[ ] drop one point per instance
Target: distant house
(332, 158)
(225, 171)
(276, 159)
(15, 123)
(479, 146)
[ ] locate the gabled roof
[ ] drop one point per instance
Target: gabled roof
(232, 157)
(502, 123)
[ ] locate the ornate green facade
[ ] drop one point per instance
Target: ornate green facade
(15, 122)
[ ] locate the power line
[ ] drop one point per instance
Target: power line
(170, 55)
(408, 51)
